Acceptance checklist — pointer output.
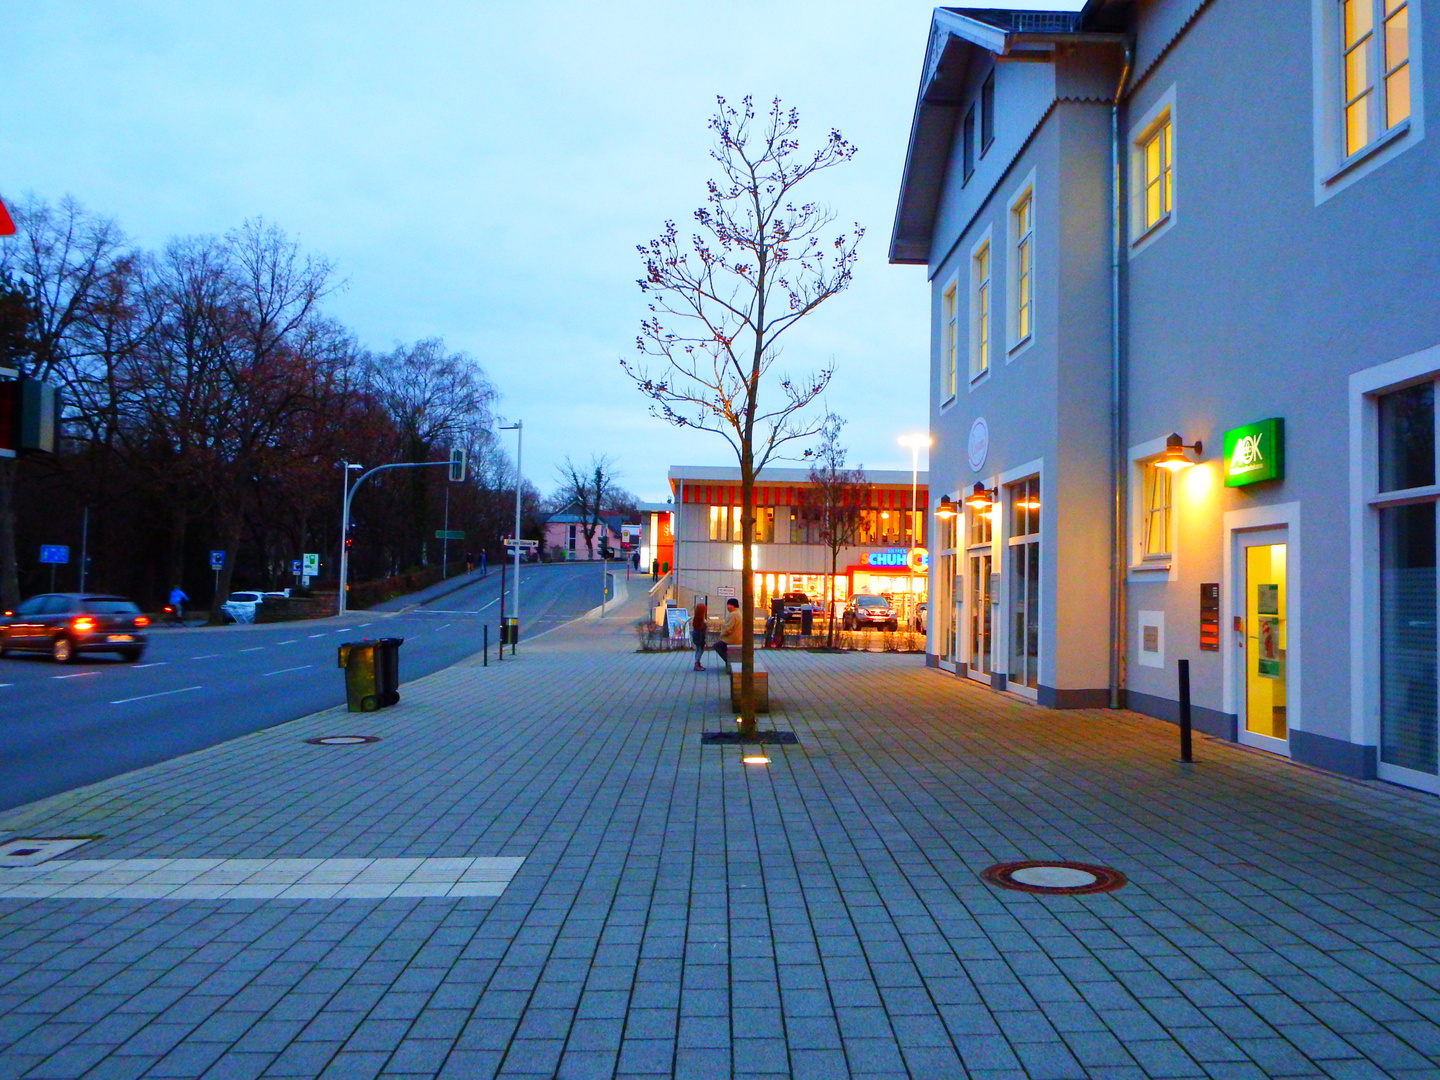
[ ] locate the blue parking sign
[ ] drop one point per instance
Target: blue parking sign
(217, 560)
(54, 553)
(295, 567)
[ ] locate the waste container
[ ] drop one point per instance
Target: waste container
(510, 630)
(372, 673)
(807, 620)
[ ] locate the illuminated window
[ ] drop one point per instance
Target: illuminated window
(1155, 175)
(1022, 262)
(1376, 68)
(725, 524)
(948, 345)
(980, 310)
(1155, 534)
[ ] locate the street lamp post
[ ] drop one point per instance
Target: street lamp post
(915, 442)
(519, 428)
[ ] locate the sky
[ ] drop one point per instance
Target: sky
(482, 171)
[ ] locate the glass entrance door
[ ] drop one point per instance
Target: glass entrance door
(1265, 633)
(1024, 552)
(980, 615)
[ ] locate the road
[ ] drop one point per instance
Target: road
(63, 727)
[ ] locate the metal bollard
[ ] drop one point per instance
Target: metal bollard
(1185, 752)
(486, 650)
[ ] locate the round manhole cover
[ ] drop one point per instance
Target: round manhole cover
(343, 740)
(1055, 878)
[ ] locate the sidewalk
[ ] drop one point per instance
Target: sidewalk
(677, 913)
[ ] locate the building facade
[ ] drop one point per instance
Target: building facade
(789, 554)
(1197, 389)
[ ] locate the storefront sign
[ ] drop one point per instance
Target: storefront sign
(1255, 452)
(918, 560)
(893, 557)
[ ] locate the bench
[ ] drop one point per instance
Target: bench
(762, 682)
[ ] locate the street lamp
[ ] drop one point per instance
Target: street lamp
(916, 443)
(519, 428)
(345, 467)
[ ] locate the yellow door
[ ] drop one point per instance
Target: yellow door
(1266, 631)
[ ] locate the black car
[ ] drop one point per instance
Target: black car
(865, 609)
(67, 624)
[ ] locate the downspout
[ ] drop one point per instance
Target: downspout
(1118, 559)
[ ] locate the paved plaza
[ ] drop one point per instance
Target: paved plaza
(674, 912)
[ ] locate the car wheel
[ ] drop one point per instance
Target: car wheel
(131, 656)
(892, 626)
(63, 650)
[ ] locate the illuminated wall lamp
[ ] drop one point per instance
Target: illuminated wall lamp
(1175, 456)
(946, 510)
(981, 499)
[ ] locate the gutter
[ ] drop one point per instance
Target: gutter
(1118, 560)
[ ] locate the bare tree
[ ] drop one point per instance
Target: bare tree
(720, 304)
(833, 504)
(590, 492)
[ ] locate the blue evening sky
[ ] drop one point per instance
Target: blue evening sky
(482, 171)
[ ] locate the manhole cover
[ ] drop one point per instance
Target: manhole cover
(1056, 878)
(343, 740)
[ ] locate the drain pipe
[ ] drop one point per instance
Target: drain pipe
(1118, 560)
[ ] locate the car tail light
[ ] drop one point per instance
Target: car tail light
(83, 625)
(144, 620)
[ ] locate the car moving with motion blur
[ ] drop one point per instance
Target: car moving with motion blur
(865, 610)
(67, 624)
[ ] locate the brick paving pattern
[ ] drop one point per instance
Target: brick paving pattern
(678, 913)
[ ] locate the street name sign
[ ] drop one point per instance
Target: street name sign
(509, 543)
(449, 534)
(54, 554)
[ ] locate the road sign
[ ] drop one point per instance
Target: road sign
(509, 543)
(310, 564)
(54, 553)
(726, 591)
(295, 567)
(217, 560)
(449, 534)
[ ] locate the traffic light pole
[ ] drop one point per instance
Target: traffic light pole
(345, 515)
(519, 428)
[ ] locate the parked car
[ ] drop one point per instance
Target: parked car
(922, 616)
(67, 624)
(867, 610)
(240, 607)
(796, 604)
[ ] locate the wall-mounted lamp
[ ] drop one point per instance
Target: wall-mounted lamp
(1175, 456)
(981, 499)
(946, 510)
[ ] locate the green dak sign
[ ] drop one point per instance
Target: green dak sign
(1255, 452)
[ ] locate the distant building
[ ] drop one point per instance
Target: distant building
(1273, 263)
(788, 555)
(565, 535)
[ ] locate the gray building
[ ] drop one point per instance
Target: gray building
(1211, 219)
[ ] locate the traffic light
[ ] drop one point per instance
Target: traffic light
(457, 465)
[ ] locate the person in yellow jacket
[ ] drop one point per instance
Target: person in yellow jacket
(729, 630)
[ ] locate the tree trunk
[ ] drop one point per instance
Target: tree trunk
(747, 595)
(178, 522)
(830, 608)
(231, 525)
(9, 566)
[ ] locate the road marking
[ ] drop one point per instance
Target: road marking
(364, 624)
(283, 670)
(445, 627)
(157, 663)
(345, 629)
(162, 693)
(207, 656)
(76, 675)
(317, 635)
(253, 648)
(5, 684)
(290, 642)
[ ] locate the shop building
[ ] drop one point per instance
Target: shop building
(1259, 277)
(789, 555)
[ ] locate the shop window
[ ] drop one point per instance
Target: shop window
(806, 525)
(1407, 438)
(725, 524)
(1025, 507)
(982, 526)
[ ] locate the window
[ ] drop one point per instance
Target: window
(725, 524)
(1376, 66)
(1022, 261)
(948, 345)
(1155, 180)
(987, 112)
(980, 310)
(967, 144)
(884, 527)
(1155, 530)
(807, 525)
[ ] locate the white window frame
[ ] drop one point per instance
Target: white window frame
(1001, 537)
(1015, 342)
(1335, 170)
(981, 322)
(1162, 112)
(1156, 568)
(949, 340)
(1366, 387)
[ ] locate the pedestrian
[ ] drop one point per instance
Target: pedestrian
(635, 561)
(654, 569)
(729, 630)
(697, 631)
(178, 600)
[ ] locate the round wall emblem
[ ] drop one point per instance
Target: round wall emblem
(979, 446)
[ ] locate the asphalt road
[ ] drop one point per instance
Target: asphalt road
(65, 726)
